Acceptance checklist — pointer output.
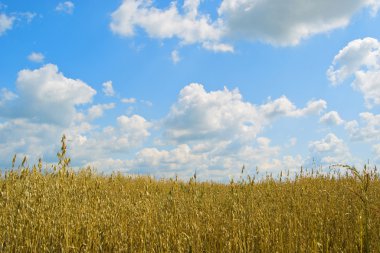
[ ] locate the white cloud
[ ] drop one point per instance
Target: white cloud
(283, 23)
(96, 111)
(218, 47)
(368, 131)
(128, 100)
(331, 118)
(213, 133)
(223, 115)
(175, 56)
(284, 107)
(45, 107)
(6, 95)
(46, 95)
(6, 23)
(36, 57)
(180, 157)
(200, 115)
(189, 27)
(287, 22)
(108, 89)
(66, 7)
(361, 60)
(330, 150)
(184, 159)
(22, 137)
(111, 141)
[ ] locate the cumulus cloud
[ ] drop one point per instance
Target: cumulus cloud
(6, 23)
(288, 22)
(221, 114)
(330, 150)
(284, 107)
(117, 139)
(178, 158)
(360, 59)
(96, 111)
(283, 23)
(108, 89)
(189, 27)
(36, 57)
(66, 7)
(224, 115)
(47, 105)
(46, 95)
(213, 133)
(331, 118)
(184, 160)
(368, 130)
(25, 138)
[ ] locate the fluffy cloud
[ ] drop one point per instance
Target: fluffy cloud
(284, 107)
(281, 23)
(36, 57)
(25, 138)
(108, 89)
(117, 140)
(331, 118)
(6, 23)
(330, 150)
(368, 131)
(46, 95)
(184, 160)
(96, 111)
(223, 115)
(189, 27)
(287, 22)
(360, 59)
(46, 106)
(176, 159)
(213, 133)
(200, 115)
(66, 7)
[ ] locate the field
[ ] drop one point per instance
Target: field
(62, 210)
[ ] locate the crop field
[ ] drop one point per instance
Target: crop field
(66, 210)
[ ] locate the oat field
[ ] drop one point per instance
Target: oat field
(65, 210)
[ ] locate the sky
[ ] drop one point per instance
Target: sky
(173, 88)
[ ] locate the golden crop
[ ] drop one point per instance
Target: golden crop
(63, 210)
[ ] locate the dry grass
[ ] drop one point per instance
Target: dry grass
(67, 211)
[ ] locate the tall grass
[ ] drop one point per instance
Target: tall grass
(62, 210)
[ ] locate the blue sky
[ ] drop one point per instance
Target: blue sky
(168, 88)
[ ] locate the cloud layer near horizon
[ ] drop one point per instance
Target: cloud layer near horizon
(213, 132)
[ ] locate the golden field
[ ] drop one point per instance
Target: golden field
(62, 210)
